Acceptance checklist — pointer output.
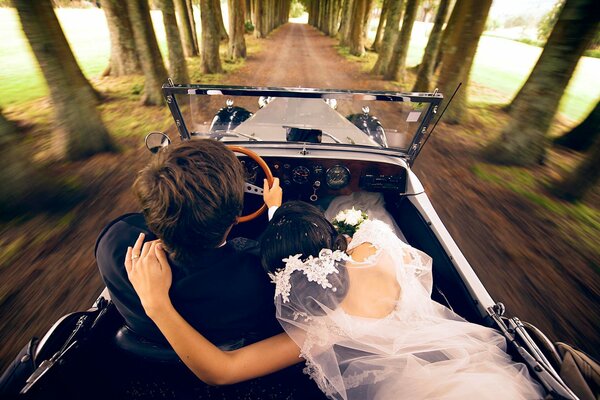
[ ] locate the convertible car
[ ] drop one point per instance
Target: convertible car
(322, 144)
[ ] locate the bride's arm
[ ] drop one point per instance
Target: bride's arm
(151, 277)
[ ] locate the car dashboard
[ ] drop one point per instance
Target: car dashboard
(311, 179)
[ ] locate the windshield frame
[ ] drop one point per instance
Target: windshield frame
(434, 99)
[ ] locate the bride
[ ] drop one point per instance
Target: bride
(360, 316)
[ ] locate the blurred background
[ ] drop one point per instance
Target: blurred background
(512, 168)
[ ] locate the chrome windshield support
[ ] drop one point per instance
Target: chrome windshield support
(523, 344)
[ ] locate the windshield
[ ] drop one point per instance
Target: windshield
(375, 119)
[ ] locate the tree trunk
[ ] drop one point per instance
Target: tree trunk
(123, 57)
(357, 37)
(211, 63)
(82, 132)
(346, 23)
(523, 141)
(150, 57)
(395, 71)
(177, 64)
(190, 8)
(237, 43)
(16, 170)
(259, 19)
(456, 19)
(423, 83)
(7, 129)
(583, 135)
(219, 20)
(185, 28)
(390, 35)
(381, 25)
(367, 19)
(248, 13)
(456, 66)
(583, 178)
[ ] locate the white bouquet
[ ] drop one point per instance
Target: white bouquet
(348, 221)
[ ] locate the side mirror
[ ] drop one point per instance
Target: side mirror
(156, 141)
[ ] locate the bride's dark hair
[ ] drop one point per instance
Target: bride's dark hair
(301, 228)
(297, 228)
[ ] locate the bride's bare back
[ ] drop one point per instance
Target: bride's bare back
(373, 289)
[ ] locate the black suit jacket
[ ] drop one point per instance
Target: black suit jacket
(225, 294)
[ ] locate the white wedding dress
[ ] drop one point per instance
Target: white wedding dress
(419, 350)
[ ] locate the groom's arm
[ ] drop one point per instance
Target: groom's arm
(217, 367)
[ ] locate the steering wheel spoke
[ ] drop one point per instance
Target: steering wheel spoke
(253, 189)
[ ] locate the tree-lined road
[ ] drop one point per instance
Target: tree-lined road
(523, 261)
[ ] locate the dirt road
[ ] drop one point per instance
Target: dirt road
(522, 260)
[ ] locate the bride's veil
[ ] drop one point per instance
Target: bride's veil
(408, 352)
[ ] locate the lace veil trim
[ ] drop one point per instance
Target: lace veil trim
(316, 269)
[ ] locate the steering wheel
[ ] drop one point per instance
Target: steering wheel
(249, 187)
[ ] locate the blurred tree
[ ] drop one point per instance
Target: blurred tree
(211, 63)
(17, 173)
(155, 73)
(549, 20)
(297, 9)
(583, 178)
(190, 49)
(7, 128)
(390, 35)
(583, 135)
(123, 57)
(395, 71)
(367, 19)
(458, 60)
(381, 25)
(177, 64)
(190, 8)
(425, 73)
(259, 28)
(82, 132)
(248, 15)
(357, 37)
(344, 32)
(219, 20)
(523, 140)
(237, 43)
(448, 41)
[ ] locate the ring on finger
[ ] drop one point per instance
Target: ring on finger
(135, 256)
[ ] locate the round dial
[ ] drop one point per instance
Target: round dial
(251, 169)
(300, 174)
(337, 177)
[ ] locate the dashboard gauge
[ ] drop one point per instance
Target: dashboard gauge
(300, 174)
(250, 170)
(317, 169)
(337, 177)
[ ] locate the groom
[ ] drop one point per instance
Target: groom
(191, 195)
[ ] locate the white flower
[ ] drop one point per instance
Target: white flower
(353, 217)
(341, 216)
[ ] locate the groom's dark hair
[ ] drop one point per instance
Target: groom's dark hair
(191, 194)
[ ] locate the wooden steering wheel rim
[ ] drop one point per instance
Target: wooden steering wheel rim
(263, 165)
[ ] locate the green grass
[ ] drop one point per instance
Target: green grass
(502, 65)
(578, 222)
(87, 33)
